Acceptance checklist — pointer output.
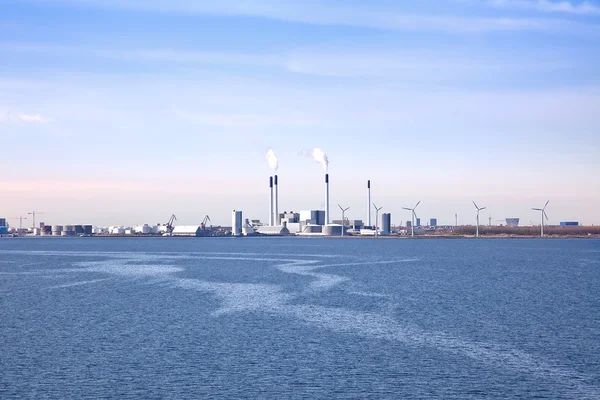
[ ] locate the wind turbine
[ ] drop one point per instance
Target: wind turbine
(543, 212)
(376, 218)
(478, 209)
(413, 216)
(343, 215)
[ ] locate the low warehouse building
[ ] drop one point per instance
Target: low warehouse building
(191, 231)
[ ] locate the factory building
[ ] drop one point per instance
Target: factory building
(289, 217)
(433, 222)
(512, 222)
(409, 224)
(354, 224)
(312, 217)
(3, 222)
(273, 230)
(418, 222)
(189, 231)
(236, 223)
(569, 223)
(248, 229)
(386, 224)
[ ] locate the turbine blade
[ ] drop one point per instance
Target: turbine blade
(482, 208)
(546, 204)
(475, 204)
(418, 204)
(546, 215)
(537, 209)
(407, 209)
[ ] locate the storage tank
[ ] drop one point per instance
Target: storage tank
(332, 230)
(67, 233)
(88, 229)
(56, 230)
(78, 229)
(313, 229)
(46, 230)
(69, 228)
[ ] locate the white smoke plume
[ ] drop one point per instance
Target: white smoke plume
(319, 156)
(272, 159)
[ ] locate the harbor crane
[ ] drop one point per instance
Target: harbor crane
(20, 218)
(34, 213)
(206, 219)
(169, 224)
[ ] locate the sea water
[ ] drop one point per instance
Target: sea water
(299, 318)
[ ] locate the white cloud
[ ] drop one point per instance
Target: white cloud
(581, 8)
(10, 116)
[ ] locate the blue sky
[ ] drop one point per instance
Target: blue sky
(125, 111)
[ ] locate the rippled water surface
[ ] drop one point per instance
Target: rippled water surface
(294, 317)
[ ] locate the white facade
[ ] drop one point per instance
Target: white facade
(144, 229)
(183, 230)
(236, 223)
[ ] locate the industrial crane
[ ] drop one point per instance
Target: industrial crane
(34, 213)
(206, 219)
(170, 224)
(20, 218)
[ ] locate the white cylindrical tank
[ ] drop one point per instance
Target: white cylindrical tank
(57, 230)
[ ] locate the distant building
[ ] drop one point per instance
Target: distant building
(236, 223)
(433, 222)
(355, 224)
(273, 230)
(386, 223)
(418, 222)
(182, 230)
(3, 222)
(289, 217)
(569, 223)
(512, 222)
(312, 217)
(408, 224)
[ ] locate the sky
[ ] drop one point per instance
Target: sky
(126, 111)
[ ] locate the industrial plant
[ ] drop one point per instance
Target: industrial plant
(309, 223)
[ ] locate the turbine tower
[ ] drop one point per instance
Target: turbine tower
(478, 209)
(376, 218)
(543, 212)
(413, 216)
(343, 216)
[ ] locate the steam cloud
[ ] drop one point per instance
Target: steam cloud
(319, 156)
(272, 159)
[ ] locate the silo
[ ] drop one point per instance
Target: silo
(68, 230)
(332, 230)
(57, 230)
(88, 229)
(386, 224)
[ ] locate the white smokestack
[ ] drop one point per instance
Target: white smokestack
(276, 202)
(271, 202)
(369, 203)
(326, 199)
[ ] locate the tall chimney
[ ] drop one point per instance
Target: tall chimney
(369, 203)
(276, 202)
(326, 199)
(271, 202)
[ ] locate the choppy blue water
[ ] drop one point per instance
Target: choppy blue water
(293, 317)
